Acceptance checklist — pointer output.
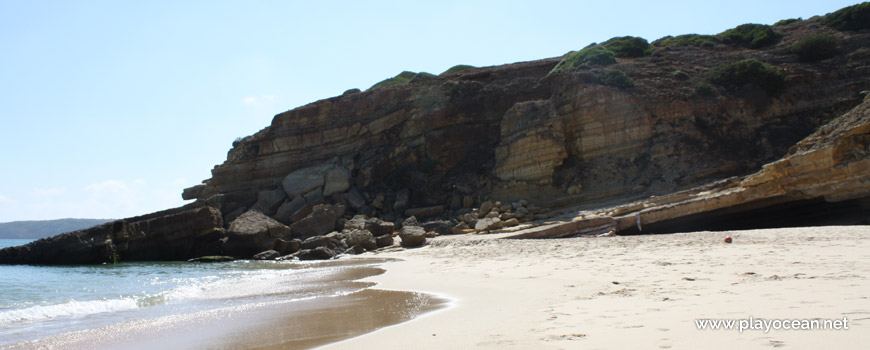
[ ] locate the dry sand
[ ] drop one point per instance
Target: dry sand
(638, 292)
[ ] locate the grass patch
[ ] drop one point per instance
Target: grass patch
(688, 40)
(750, 71)
(403, 78)
(592, 55)
(854, 18)
(614, 78)
(784, 22)
(456, 69)
(627, 46)
(751, 35)
(816, 47)
(705, 89)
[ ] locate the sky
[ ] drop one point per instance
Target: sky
(108, 109)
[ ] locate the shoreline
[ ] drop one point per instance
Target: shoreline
(631, 291)
(344, 306)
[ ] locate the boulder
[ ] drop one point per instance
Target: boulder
(320, 221)
(335, 181)
(288, 209)
(485, 207)
(355, 200)
(384, 241)
(287, 246)
(267, 255)
(358, 222)
(268, 202)
(488, 224)
(412, 236)
(440, 227)
(304, 180)
(322, 241)
(252, 232)
(318, 253)
(426, 212)
(511, 222)
(360, 237)
(411, 221)
(379, 227)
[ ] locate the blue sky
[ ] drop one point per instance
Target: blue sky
(111, 108)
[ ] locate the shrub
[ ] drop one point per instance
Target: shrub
(749, 71)
(751, 35)
(627, 46)
(787, 21)
(457, 68)
(403, 78)
(854, 18)
(614, 78)
(816, 47)
(592, 55)
(704, 89)
(688, 40)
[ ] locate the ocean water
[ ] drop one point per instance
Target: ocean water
(41, 302)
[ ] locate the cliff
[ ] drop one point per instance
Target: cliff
(686, 126)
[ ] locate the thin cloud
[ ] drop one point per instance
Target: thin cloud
(48, 192)
(256, 100)
(6, 200)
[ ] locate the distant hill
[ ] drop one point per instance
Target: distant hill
(46, 228)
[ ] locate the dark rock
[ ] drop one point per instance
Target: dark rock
(440, 227)
(252, 232)
(285, 246)
(304, 180)
(488, 224)
(427, 212)
(358, 222)
(336, 181)
(288, 209)
(268, 202)
(228, 218)
(411, 221)
(380, 227)
(319, 253)
(403, 198)
(363, 238)
(455, 202)
(267, 255)
(193, 192)
(485, 207)
(384, 241)
(412, 236)
(322, 241)
(320, 221)
(177, 234)
(355, 200)
(212, 258)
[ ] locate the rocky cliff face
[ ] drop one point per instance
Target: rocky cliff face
(538, 142)
(513, 131)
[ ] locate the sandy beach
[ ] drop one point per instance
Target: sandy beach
(633, 291)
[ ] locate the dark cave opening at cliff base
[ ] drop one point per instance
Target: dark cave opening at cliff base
(800, 213)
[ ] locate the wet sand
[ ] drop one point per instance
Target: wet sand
(287, 324)
(638, 292)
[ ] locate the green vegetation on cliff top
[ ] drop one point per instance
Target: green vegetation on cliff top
(816, 47)
(750, 71)
(854, 18)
